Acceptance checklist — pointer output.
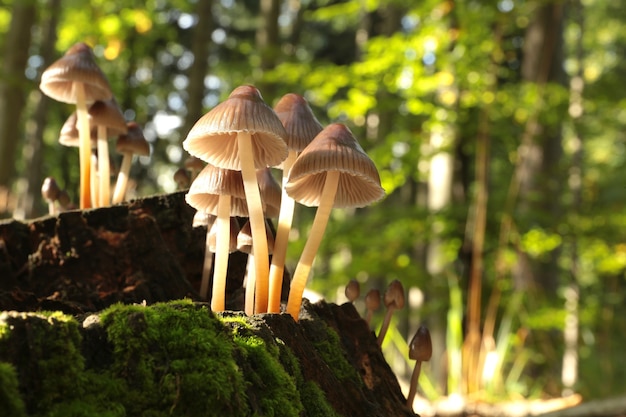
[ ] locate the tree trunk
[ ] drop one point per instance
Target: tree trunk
(201, 46)
(13, 86)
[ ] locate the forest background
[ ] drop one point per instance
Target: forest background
(497, 127)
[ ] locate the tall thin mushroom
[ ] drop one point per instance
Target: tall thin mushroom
(394, 300)
(75, 78)
(212, 192)
(301, 126)
(243, 133)
(420, 350)
(129, 144)
(332, 171)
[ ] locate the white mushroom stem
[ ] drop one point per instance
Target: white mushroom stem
(220, 269)
(301, 274)
(52, 210)
(103, 168)
(122, 178)
(414, 383)
(84, 145)
(250, 286)
(257, 220)
(95, 192)
(285, 218)
(206, 269)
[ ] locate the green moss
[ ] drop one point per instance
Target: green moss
(275, 388)
(190, 368)
(11, 402)
(327, 344)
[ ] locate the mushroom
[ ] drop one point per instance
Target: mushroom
(75, 78)
(243, 133)
(244, 244)
(213, 192)
(107, 118)
(394, 300)
(332, 171)
(182, 177)
(129, 144)
(50, 192)
(353, 290)
(420, 350)
(372, 303)
(194, 165)
(301, 126)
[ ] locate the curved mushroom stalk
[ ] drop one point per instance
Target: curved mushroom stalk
(220, 269)
(301, 274)
(119, 193)
(285, 218)
(84, 147)
(394, 300)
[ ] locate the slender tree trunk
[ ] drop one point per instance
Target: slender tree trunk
(33, 148)
(13, 86)
(200, 47)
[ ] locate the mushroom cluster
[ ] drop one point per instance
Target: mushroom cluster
(75, 78)
(239, 140)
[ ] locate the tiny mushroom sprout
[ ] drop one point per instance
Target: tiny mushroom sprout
(75, 78)
(108, 119)
(131, 143)
(301, 126)
(332, 171)
(243, 133)
(353, 290)
(50, 192)
(372, 303)
(213, 192)
(394, 300)
(420, 350)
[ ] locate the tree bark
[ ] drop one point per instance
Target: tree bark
(13, 86)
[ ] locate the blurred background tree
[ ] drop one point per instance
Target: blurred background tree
(497, 127)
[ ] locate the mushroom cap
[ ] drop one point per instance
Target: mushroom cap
(50, 190)
(211, 182)
(194, 164)
(372, 299)
(78, 64)
(202, 219)
(244, 238)
(234, 233)
(421, 347)
(108, 114)
(69, 133)
(353, 290)
(298, 119)
(182, 177)
(133, 141)
(335, 149)
(394, 295)
(214, 136)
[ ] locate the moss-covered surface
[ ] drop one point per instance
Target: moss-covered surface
(168, 359)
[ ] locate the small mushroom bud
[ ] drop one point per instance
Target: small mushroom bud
(182, 178)
(353, 290)
(372, 303)
(50, 192)
(420, 350)
(394, 300)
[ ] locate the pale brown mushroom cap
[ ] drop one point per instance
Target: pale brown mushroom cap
(298, 119)
(394, 295)
(211, 182)
(69, 133)
(234, 236)
(335, 149)
(133, 141)
(50, 190)
(182, 177)
(244, 238)
(421, 348)
(108, 114)
(202, 219)
(372, 299)
(78, 64)
(352, 290)
(214, 136)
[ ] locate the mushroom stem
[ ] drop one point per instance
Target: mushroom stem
(414, 382)
(95, 190)
(122, 178)
(257, 220)
(84, 148)
(221, 255)
(206, 269)
(301, 274)
(103, 168)
(250, 286)
(285, 218)
(385, 326)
